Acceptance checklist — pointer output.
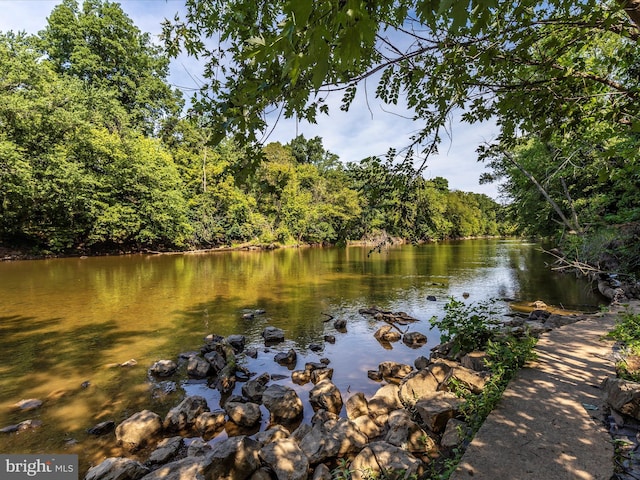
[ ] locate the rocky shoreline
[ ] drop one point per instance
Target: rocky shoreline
(411, 424)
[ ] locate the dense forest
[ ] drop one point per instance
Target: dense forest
(98, 153)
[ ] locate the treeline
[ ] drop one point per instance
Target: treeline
(94, 155)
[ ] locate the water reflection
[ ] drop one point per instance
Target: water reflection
(65, 321)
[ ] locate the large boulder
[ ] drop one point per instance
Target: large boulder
(216, 361)
(117, 468)
(283, 403)
(436, 409)
(383, 458)
(233, 459)
(406, 434)
(414, 339)
(198, 367)
(454, 433)
(370, 428)
(273, 335)
(394, 372)
(255, 387)
(184, 415)
(386, 334)
(209, 424)
(237, 342)
(384, 401)
(326, 396)
(320, 374)
(623, 396)
(423, 382)
(265, 437)
(166, 450)
(190, 468)
(243, 414)
(286, 459)
(163, 368)
(357, 406)
(333, 438)
(139, 429)
(288, 359)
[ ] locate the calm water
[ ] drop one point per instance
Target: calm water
(66, 321)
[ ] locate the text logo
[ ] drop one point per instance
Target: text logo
(41, 467)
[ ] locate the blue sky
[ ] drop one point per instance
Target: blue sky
(369, 128)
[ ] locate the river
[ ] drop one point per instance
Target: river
(67, 321)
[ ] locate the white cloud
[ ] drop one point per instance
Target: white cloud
(365, 130)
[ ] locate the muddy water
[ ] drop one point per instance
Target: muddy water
(64, 322)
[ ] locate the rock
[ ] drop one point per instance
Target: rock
(166, 450)
(273, 335)
(421, 363)
(263, 473)
(331, 439)
(340, 325)
(414, 339)
(454, 433)
(320, 374)
(232, 459)
(237, 342)
(393, 372)
(212, 339)
(163, 368)
(130, 363)
(102, 428)
(539, 315)
(384, 401)
(322, 472)
(209, 424)
(374, 375)
(423, 382)
(406, 434)
(325, 361)
(24, 425)
(139, 429)
(283, 403)
(254, 388)
(190, 468)
(162, 389)
(436, 409)
(184, 415)
(326, 396)
(431, 298)
(267, 436)
(289, 358)
(198, 367)
(117, 468)
(243, 414)
(357, 406)
(301, 377)
(216, 360)
(475, 361)
(623, 396)
(380, 458)
(198, 448)
(386, 334)
(286, 459)
(315, 347)
(474, 381)
(251, 352)
(330, 338)
(367, 426)
(26, 405)
(310, 366)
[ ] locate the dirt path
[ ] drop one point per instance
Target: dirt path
(548, 424)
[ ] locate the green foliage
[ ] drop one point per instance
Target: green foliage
(627, 331)
(468, 326)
